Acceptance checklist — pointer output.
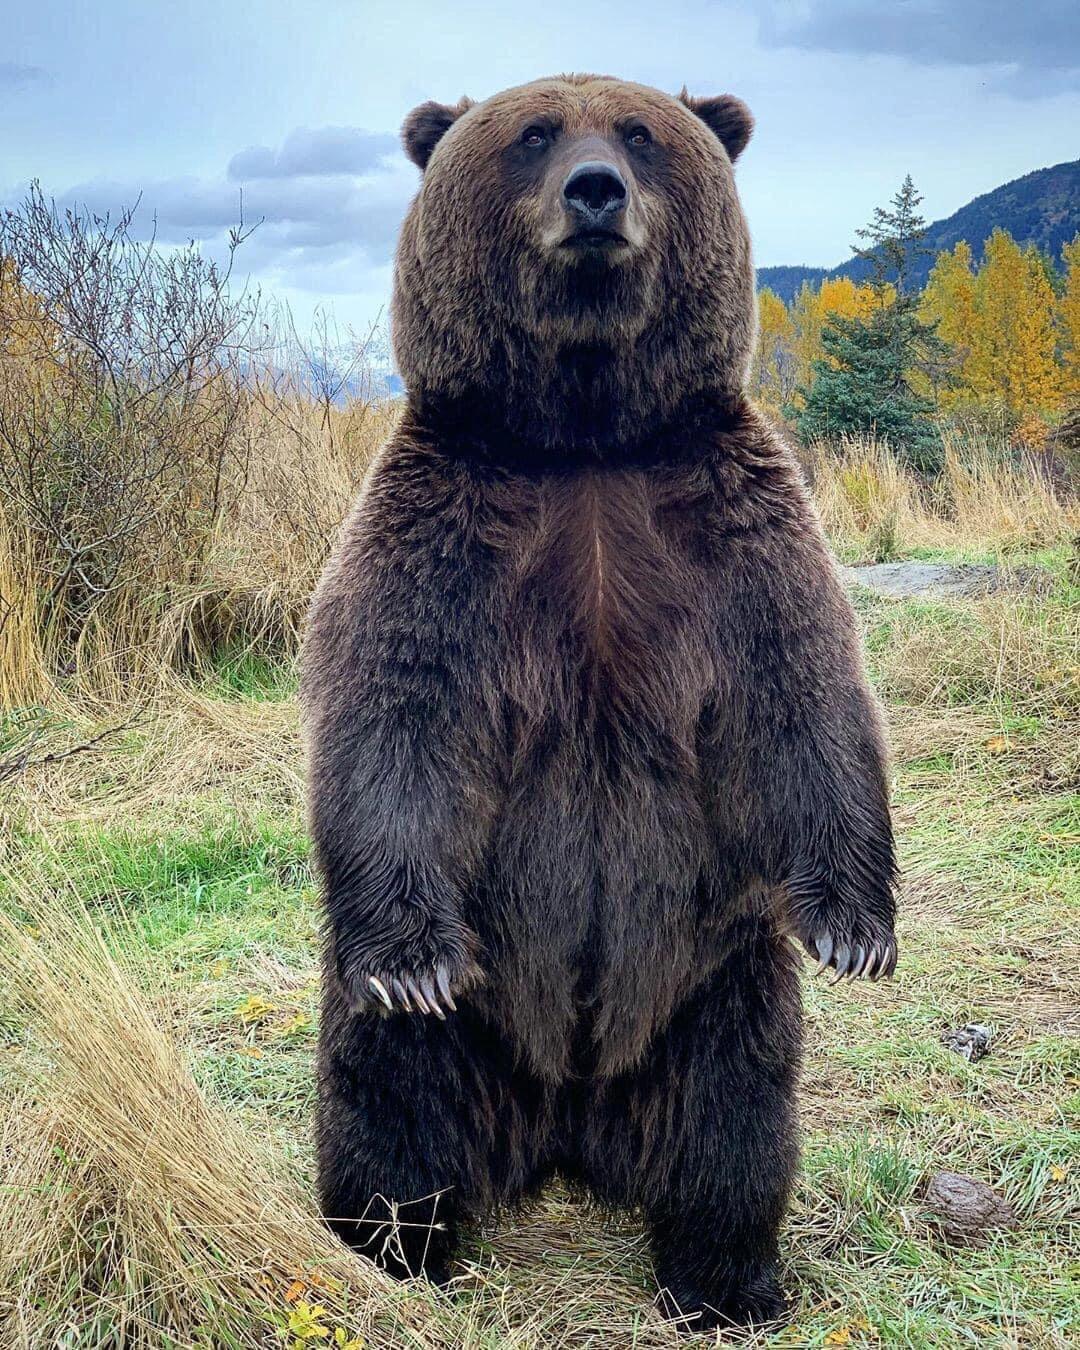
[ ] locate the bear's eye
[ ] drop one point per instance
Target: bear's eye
(534, 137)
(638, 136)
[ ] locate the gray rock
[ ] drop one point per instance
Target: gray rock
(902, 580)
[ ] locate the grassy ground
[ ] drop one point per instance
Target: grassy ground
(181, 839)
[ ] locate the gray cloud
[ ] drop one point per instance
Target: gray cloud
(329, 229)
(1032, 46)
(319, 152)
(13, 75)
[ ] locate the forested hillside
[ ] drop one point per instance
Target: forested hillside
(1042, 208)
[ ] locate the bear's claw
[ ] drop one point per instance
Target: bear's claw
(854, 962)
(377, 985)
(442, 979)
(422, 993)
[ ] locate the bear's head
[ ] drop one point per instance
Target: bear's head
(576, 264)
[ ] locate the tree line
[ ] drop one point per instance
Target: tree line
(992, 343)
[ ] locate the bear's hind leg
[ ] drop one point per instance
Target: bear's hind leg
(702, 1135)
(386, 1208)
(419, 1123)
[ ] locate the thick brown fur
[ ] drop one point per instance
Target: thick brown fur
(588, 731)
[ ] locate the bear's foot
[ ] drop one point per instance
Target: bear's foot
(755, 1298)
(407, 1251)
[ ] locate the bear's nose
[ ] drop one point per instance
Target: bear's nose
(594, 191)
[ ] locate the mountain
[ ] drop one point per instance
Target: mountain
(1041, 208)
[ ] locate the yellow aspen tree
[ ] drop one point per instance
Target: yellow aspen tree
(997, 294)
(1013, 359)
(773, 370)
(1036, 381)
(949, 300)
(1069, 321)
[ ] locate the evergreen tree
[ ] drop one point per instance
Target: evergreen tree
(860, 388)
(863, 383)
(894, 238)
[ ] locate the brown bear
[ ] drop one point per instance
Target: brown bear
(588, 731)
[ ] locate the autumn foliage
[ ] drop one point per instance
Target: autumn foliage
(1010, 322)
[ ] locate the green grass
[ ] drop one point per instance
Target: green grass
(247, 673)
(214, 900)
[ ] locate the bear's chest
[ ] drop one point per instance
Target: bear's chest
(608, 612)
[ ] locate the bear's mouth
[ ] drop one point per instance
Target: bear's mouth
(590, 239)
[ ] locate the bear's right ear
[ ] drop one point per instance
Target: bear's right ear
(426, 126)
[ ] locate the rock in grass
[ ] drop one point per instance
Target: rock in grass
(972, 1041)
(966, 1211)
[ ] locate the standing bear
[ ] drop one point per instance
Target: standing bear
(588, 733)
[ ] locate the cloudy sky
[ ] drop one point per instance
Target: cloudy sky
(293, 108)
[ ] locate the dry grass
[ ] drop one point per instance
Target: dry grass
(244, 578)
(186, 743)
(1009, 650)
(985, 501)
(127, 1191)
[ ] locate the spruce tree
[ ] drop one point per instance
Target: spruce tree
(862, 386)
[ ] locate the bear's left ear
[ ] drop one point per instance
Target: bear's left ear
(727, 117)
(426, 126)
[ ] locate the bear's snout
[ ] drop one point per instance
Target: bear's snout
(595, 195)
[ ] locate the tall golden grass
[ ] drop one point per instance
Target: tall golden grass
(132, 1204)
(248, 580)
(987, 499)
(246, 577)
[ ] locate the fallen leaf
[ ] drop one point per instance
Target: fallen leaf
(255, 1010)
(296, 1023)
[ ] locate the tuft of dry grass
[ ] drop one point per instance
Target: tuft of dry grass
(985, 500)
(1014, 651)
(131, 1203)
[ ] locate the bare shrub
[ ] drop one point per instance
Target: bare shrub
(171, 472)
(121, 393)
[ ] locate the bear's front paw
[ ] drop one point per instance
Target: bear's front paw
(423, 982)
(852, 951)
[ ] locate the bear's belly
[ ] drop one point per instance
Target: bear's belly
(604, 913)
(600, 855)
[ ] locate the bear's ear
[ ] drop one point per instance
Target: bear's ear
(426, 126)
(727, 117)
